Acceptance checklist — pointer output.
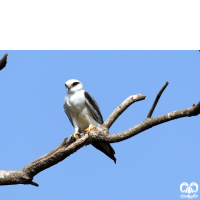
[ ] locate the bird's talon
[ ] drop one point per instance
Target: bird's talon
(89, 128)
(74, 135)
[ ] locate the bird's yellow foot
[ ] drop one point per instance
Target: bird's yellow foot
(74, 135)
(89, 128)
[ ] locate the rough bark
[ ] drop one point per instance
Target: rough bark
(66, 148)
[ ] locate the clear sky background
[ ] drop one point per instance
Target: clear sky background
(150, 165)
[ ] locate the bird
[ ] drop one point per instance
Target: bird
(84, 113)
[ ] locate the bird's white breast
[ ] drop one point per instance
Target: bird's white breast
(75, 102)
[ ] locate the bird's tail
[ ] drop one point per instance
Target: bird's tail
(106, 148)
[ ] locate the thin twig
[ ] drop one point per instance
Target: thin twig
(156, 100)
(3, 61)
(31, 183)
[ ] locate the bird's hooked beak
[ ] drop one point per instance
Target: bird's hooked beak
(68, 86)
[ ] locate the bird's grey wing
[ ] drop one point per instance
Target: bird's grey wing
(68, 114)
(94, 108)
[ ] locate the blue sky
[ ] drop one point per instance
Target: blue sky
(151, 165)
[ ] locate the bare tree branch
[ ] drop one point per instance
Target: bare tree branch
(156, 100)
(149, 123)
(124, 105)
(3, 61)
(66, 148)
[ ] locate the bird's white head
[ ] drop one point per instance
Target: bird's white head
(73, 85)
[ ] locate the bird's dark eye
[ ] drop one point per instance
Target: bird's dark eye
(75, 83)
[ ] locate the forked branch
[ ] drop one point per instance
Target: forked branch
(120, 109)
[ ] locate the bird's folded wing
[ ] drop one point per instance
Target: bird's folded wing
(68, 114)
(94, 108)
